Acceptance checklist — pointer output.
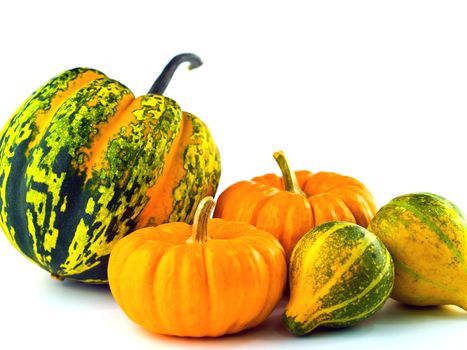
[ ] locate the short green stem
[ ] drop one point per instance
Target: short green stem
(199, 229)
(289, 177)
(164, 78)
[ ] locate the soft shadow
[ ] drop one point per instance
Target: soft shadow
(270, 330)
(393, 317)
(73, 293)
(401, 314)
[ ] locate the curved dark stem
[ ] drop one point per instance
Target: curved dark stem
(161, 83)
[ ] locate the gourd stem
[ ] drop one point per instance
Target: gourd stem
(57, 277)
(164, 78)
(290, 180)
(200, 224)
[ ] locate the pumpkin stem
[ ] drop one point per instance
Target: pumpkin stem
(164, 78)
(200, 224)
(290, 180)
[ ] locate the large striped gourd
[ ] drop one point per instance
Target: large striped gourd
(83, 162)
(339, 274)
(427, 237)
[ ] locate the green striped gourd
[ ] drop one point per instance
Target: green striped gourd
(427, 237)
(339, 274)
(83, 162)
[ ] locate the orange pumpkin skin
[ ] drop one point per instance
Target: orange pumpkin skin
(289, 213)
(171, 283)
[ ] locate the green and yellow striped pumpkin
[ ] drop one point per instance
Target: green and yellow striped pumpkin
(339, 274)
(83, 162)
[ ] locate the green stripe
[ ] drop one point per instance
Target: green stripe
(369, 301)
(361, 288)
(201, 162)
(133, 161)
(427, 221)
(318, 246)
(18, 133)
(401, 266)
(56, 166)
(366, 286)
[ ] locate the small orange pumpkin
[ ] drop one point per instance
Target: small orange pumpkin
(212, 278)
(290, 206)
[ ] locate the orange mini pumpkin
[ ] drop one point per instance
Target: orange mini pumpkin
(290, 206)
(211, 278)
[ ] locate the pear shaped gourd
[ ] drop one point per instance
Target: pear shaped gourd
(339, 274)
(427, 237)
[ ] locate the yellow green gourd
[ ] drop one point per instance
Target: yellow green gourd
(339, 274)
(427, 237)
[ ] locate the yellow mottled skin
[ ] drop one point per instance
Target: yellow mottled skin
(80, 161)
(427, 237)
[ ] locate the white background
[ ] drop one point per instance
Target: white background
(375, 90)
